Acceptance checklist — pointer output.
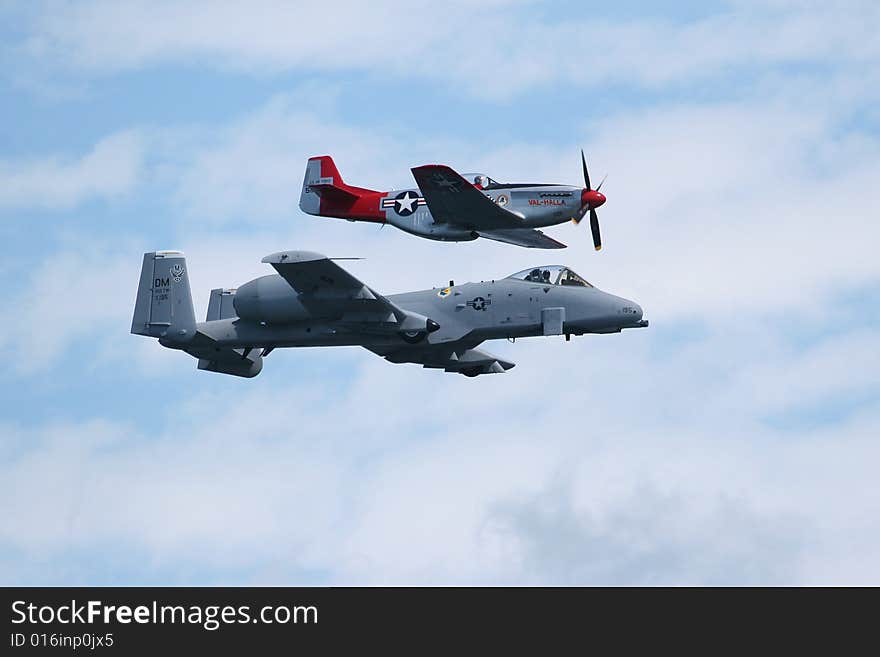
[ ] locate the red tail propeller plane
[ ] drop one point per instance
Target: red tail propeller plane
(454, 207)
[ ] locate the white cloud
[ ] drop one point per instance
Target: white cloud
(631, 458)
(650, 538)
(484, 481)
(110, 169)
(69, 296)
(252, 169)
(527, 49)
(717, 209)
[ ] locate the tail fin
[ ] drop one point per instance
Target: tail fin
(163, 308)
(325, 193)
(220, 304)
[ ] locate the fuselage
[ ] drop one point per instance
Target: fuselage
(271, 314)
(537, 204)
(313, 302)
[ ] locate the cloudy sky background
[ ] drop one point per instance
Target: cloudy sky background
(733, 442)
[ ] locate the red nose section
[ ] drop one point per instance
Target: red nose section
(592, 198)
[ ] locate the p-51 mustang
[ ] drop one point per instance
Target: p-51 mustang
(313, 302)
(455, 208)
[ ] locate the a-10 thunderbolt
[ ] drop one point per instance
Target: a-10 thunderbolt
(313, 302)
(450, 207)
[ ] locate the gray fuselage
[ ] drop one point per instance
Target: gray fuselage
(313, 302)
(271, 314)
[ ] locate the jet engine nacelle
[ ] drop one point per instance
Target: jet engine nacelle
(416, 328)
(269, 299)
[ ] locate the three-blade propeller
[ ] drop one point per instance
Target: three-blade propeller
(590, 200)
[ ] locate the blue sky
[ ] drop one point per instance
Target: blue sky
(734, 441)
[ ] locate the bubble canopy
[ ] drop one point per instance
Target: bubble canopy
(480, 179)
(551, 275)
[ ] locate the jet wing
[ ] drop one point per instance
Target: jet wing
(528, 237)
(453, 200)
(323, 284)
(460, 358)
(313, 274)
(320, 282)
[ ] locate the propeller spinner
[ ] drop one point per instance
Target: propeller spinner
(590, 200)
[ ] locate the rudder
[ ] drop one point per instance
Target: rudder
(309, 201)
(325, 193)
(163, 307)
(322, 179)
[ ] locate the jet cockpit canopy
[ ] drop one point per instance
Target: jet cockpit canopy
(551, 275)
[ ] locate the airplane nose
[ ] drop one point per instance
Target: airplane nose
(629, 312)
(633, 313)
(606, 313)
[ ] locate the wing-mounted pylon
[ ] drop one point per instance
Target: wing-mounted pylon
(460, 359)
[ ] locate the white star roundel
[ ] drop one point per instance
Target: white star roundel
(405, 203)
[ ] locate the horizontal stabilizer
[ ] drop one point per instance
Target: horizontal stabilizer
(163, 309)
(234, 363)
(226, 360)
(333, 194)
(223, 359)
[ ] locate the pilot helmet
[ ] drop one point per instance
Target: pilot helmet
(481, 181)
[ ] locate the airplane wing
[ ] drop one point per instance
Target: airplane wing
(452, 199)
(460, 358)
(316, 276)
(528, 237)
(323, 285)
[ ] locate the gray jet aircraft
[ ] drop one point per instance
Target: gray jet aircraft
(313, 302)
(450, 207)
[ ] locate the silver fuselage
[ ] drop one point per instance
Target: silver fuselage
(538, 205)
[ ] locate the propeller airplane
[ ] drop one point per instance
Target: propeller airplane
(453, 207)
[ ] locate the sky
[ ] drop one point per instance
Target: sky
(735, 441)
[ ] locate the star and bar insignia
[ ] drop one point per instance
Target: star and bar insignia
(404, 203)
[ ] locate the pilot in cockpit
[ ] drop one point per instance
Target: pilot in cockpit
(481, 181)
(539, 276)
